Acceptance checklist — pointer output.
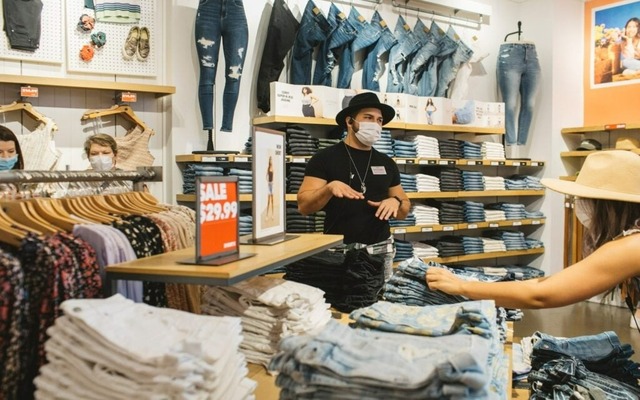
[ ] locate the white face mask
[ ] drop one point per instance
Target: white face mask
(368, 133)
(583, 215)
(101, 162)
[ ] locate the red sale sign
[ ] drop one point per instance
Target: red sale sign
(218, 207)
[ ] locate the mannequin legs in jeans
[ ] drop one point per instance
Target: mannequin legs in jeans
(216, 21)
(518, 74)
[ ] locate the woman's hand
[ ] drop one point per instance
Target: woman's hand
(444, 281)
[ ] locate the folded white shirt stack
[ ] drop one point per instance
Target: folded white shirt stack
(426, 215)
(491, 245)
(423, 250)
(494, 215)
(270, 309)
(494, 183)
(117, 349)
(427, 183)
(492, 151)
(426, 147)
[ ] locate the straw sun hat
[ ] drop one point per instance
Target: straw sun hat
(609, 175)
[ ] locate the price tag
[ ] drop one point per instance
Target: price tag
(218, 159)
(241, 159)
(535, 164)
(517, 163)
(535, 222)
(401, 161)
(208, 159)
(474, 162)
(448, 228)
(426, 230)
(494, 225)
(129, 97)
(218, 217)
(423, 162)
(494, 163)
(443, 162)
(28, 91)
(400, 230)
(472, 226)
(411, 161)
(298, 160)
(609, 127)
(517, 223)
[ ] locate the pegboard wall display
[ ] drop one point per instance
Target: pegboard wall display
(110, 57)
(50, 47)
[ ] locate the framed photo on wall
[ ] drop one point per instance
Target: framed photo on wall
(615, 44)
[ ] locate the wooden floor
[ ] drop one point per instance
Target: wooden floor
(585, 318)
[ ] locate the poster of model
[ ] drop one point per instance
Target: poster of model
(268, 183)
(615, 44)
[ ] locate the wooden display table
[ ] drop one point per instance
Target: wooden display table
(166, 267)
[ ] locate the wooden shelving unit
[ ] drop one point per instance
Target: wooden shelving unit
(467, 226)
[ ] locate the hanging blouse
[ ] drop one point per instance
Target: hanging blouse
(39, 148)
(133, 149)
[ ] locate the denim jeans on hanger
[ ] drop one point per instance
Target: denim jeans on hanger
(518, 75)
(399, 55)
(342, 33)
(449, 66)
(314, 29)
(373, 65)
(418, 65)
(446, 47)
(220, 21)
(367, 34)
(281, 33)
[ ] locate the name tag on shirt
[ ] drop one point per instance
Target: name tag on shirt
(378, 170)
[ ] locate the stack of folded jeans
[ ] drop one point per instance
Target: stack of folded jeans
(594, 366)
(408, 182)
(426, 215)
(424, 251)
(451, 212)
(506, 272)
(450, 178)
(245, 224)
(511, 210)
(450, 148)
(473, 180)
(410, 220)
(270, 309)
(448, 245)
(340, 362)
(471, 150)
(533, 214)
(245, 179)
(427, 183)
(349, 280)
(473, 211)
(492, 245)
(404, 250)
(472, 245)
(192, 170)
(492, 151)
(519, 182)
(494, 183)
(298, 223)
(534, 243)
(426, 146)
(115, 348)
(248, 146)
(323, 143)
(514, 240)
(405, 149)
(385, 144)
(295, 177)
(300, 142)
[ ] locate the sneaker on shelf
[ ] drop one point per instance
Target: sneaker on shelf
(144, 45)
(130, 47)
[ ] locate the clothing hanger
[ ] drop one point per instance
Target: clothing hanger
(15, 225)
(10, 235)
(27, 108)
(44, 208)
(519, 31)
(74, 207)
(21, 211)
(123, 109)
(139, 201)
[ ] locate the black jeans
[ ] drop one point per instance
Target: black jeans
(281, 33)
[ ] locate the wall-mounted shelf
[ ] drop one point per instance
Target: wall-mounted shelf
(599, 128)
(466, 226)
(159, 90)
(482, 256)
(577, 153)
(392, 125)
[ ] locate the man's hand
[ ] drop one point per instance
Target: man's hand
(387, 208)
(342, 190)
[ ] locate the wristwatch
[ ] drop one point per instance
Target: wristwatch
(399, 199)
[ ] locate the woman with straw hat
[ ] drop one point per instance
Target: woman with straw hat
(608, 205)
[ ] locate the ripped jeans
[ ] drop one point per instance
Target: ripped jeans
(216, 21)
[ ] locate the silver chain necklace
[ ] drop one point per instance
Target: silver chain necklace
(366, 171)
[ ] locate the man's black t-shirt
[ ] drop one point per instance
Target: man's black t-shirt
(355, 219)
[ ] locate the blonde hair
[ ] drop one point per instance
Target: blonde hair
(101, 139)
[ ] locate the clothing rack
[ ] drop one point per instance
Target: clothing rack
(450, 19)
(142, 174)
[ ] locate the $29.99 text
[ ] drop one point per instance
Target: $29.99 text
(218, 211)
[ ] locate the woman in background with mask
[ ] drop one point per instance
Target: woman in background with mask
(356, 185)
(10, 152)
(608, 205)
(101, 149)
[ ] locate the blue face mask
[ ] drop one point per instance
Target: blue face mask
(8, 163)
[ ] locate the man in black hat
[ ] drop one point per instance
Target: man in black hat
(357, 186)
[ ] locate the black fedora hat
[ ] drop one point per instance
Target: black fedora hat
(365, 100)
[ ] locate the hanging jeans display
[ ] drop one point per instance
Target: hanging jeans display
(342, 32)
(22, 23)
(518, 74)
(216, 21)
(429, 49)
(314, 29)
(373, 65)
(449, 66)
(446, 47)
(281, 34)
(367, 35)
(407, 45)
